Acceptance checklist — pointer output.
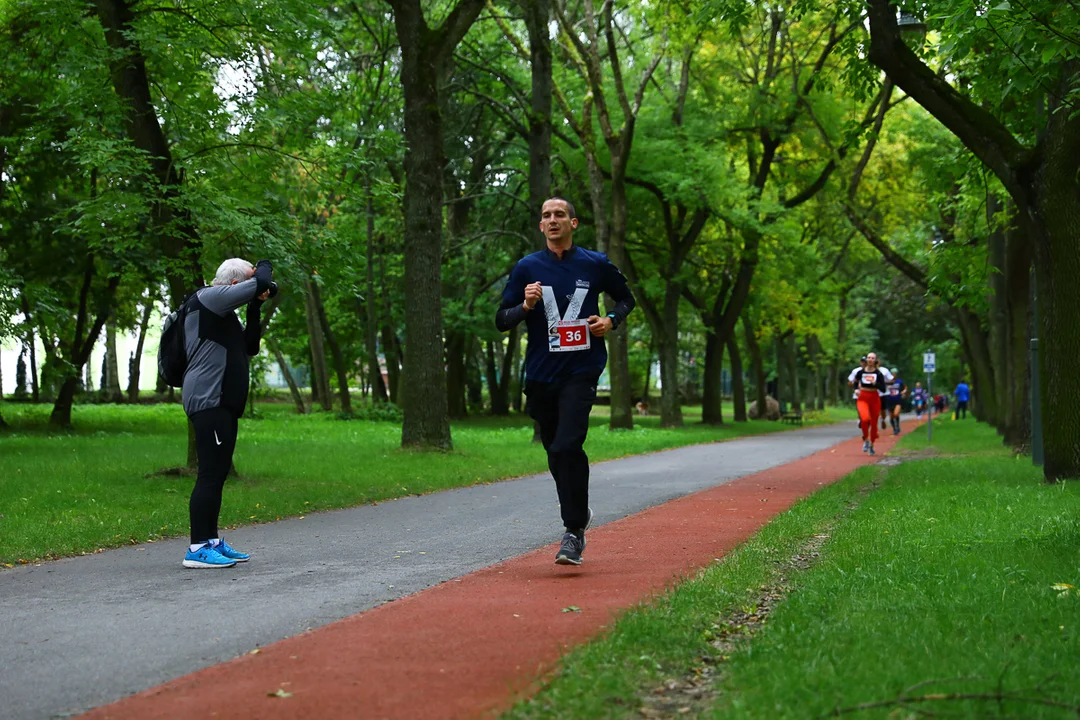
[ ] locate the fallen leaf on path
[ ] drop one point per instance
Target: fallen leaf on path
(571, 608)
(279, 693)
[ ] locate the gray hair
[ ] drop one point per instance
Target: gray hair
(232, 270)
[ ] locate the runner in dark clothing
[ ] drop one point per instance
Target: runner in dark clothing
(918, 400)
(557, 293)
(215, 393)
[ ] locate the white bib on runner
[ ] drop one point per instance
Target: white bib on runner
(568, 333)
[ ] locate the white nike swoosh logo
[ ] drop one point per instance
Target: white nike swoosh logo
(216, 437)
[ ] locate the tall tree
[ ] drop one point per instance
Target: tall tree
(588, 55)
(425, 59)
(1035, 163)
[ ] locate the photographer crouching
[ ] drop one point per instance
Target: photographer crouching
(215, 390)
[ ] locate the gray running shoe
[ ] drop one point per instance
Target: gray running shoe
(571, 549)
(866, 446)
(871, 450)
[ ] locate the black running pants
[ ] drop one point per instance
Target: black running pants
(562, 411)
(961, 408)
(215, 440)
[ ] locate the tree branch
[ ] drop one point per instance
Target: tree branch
(980, 131)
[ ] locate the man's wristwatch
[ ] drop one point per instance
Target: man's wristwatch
(614, 320)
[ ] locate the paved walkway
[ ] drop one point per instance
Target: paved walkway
(84, 632)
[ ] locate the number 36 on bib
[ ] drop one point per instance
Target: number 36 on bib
(570, 336)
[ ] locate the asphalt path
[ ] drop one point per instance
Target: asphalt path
(82, 632)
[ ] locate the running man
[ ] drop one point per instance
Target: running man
(918, 400)
(963, 394)
(557, 293)
(871, 383)
(896, 392)
(215, 393)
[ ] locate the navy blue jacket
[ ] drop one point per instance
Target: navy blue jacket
(578, 269)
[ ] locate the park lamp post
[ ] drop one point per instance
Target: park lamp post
(911, 27)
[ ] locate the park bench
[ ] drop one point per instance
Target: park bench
(787, 415)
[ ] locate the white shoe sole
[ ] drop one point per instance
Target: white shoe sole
(198, 564)
(563, 560)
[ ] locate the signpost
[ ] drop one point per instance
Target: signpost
(929, 364)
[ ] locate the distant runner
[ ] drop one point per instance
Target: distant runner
(565, 355)
(918, 400)
(963, 394)
(894, 398)
(871, 383)
(881, 403)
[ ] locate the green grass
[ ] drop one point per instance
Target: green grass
(946, 571)
(66, 493)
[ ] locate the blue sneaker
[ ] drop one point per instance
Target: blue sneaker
(206, 557)
(230, 552)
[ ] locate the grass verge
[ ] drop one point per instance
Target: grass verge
(66, 493)
(945, 592)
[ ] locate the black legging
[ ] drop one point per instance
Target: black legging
(215, 439)
(562, 411)
(961, 408)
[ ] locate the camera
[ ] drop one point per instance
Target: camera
(273, 289)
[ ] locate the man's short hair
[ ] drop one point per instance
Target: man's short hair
(569, 205)
(232, 270)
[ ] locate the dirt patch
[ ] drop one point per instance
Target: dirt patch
(921, 454)
(696, 692)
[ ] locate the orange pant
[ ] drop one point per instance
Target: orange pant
(869, 405)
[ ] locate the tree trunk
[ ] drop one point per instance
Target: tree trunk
(508, 378)
(537, 23)
(792, 360)
(392, 355)
(456, 345)
(425, 54)
(320, 380)
(667, 335)
(837, 373)
(294, 391)
(814, 347)
(341, 366)
(135, 369)
(997, 338)
(371, 325)
(757, 366)
(738, 387)
(712, 393)
(31, 345)
(618, 342)
(112, 386)
(782, 382)
(1018, 362)
(1057, 267)
(975, 341)
(498, 402)
(61, 412)
(78, 352)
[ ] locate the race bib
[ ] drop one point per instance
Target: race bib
(568, 333)
(573, 335)
(869, 379)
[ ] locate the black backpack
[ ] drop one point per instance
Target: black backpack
(172, 357)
